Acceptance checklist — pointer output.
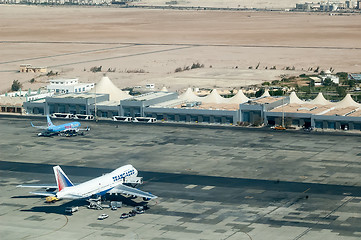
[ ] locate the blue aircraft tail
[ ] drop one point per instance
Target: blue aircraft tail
(50, 124)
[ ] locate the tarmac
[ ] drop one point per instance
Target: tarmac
(212, 182)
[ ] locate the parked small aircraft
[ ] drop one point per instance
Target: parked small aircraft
(69, 129)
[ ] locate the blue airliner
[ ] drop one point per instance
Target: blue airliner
(68, 129)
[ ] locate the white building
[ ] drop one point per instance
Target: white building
(335, 79)
(317, 80)
(29, 95)
(150, 85)
(71, 85)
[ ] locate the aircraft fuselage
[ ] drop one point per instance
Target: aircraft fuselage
(100, 185)
(64, 127)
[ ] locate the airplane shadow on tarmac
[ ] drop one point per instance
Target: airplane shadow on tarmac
(60, 209)
(54, 208)
(32, 196)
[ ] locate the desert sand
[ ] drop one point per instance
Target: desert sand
(71, 40)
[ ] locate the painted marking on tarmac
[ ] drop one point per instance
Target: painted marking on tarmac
(306, 190)
(208, 187)
(191, 186)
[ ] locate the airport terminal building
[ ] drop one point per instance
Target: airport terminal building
(318, 113)
(146, 105)
(108, 101)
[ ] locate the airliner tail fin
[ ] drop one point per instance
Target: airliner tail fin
(49, 121)
(61, 179)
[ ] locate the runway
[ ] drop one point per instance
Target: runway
(212, 182)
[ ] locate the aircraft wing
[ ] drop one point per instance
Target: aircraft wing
(75, 129)
(40, 127)
(131, 191)
(69, 130)
(51, 194)
(39, 186)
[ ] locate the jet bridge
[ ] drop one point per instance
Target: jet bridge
(134, 180)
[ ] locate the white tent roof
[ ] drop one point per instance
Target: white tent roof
(106, 86)
(295, 99)
(214, 97)
(266, 93)
(238, 98)
(164, 89)
(347, 102)
(189, 95)
(320, 99)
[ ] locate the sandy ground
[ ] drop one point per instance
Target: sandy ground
(72, 40)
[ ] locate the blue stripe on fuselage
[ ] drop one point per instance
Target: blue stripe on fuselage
(104, 192)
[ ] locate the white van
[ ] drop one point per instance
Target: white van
(145, 119)
(122, 119)
(71, 209)
(84, 117)
(63, 115)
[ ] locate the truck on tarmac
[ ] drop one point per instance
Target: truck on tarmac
(71, 210)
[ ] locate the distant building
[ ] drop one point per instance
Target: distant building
(11, 104)
(29, 95)
(150, 85)
(61, 2)
(71, 85)
(348, 4)
(335, 79)
(25, 68)
(317, 81)
(324, 6)
(304, 6)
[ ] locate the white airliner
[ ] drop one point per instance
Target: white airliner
(109, 183)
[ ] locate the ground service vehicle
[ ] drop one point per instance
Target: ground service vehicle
(136, 119)
(145, 119)
(51, 199)
(122, 119)
(139, 210)
(71, 209)
(280, 127)
(84, 117)
(63, 115)
(103, 216)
